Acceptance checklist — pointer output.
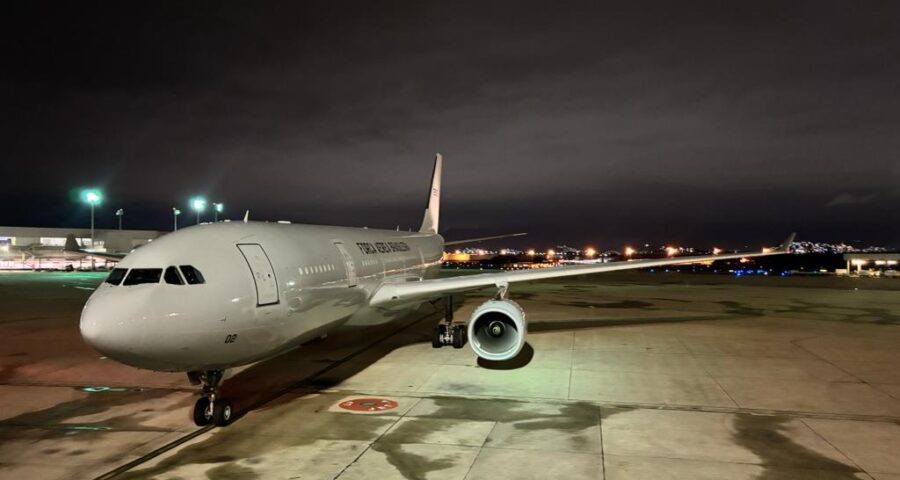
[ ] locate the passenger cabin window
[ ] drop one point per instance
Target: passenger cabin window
(116, 275)
(172, 277)
(192, 275)
(138, 276)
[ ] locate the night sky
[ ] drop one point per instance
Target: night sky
(723, 122)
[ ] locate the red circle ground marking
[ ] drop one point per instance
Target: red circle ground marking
(368, 404)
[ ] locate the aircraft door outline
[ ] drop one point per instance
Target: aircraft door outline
(263, 273)
(349, 264)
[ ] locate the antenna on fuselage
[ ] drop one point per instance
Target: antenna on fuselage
(246, 216)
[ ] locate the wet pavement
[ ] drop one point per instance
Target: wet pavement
(625, 376)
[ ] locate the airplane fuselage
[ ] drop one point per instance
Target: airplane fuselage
(266, 288)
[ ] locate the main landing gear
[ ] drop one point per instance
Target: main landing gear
(446, 333)
(210, 409)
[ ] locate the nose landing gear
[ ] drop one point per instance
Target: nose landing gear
(210, 409)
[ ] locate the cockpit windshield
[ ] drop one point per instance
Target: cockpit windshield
(116, 275)
(172, 276)
(138, 276)
(192, 275)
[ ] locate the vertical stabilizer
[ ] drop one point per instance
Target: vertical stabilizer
(433, 208)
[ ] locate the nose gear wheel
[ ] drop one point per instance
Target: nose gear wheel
(210, 408)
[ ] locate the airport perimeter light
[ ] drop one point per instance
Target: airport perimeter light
(120, 213)
(175, 213)
(217, 209)
(198, 204)
(93, 197)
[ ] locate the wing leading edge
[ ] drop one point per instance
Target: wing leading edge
(390, 293)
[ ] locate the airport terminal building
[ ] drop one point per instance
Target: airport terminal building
(32, 248)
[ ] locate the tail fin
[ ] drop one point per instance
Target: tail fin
(72, 244)
(433, 208)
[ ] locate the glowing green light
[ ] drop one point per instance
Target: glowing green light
(198, 203)
(92, 196)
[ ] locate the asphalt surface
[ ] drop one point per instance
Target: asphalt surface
(631, 375)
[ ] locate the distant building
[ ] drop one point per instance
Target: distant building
(41, 247)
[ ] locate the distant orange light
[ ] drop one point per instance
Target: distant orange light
(767, 250)
(550, 253)
(629, 251)
(458, 252)
(530, 252)
(671, 251)
(590, 252)
(503, 252)
(717, 251)
(744, 260)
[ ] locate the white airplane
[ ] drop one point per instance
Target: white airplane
(221, 295)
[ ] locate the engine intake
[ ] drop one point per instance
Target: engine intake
(497, 330)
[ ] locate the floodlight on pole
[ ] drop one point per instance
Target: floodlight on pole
(217, 209)
(120, 213)
(175, 213)
(93, 197)
(198, 204)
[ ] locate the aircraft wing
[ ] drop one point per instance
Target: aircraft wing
(390, 293)
(483, 239)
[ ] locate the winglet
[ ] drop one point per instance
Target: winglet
(786, 245)
(433, 208)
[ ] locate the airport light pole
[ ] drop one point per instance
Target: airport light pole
(175, 213)
(198, 204)
(120, 213)
(217, 209)
(92, 197)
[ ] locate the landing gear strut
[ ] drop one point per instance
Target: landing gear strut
(446, 333)
(210, 409)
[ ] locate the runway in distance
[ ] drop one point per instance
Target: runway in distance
(214, 296)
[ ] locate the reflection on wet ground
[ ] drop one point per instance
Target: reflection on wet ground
(626, 376)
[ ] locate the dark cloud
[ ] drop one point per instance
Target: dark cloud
(580, 123)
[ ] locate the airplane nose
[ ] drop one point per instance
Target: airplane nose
(106, 328)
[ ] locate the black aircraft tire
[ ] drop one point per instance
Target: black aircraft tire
(200, 417)
(459, 338)
(222, 413)
(436, 337)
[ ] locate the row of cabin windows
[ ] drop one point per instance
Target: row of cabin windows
(173, 275)
(316, 269)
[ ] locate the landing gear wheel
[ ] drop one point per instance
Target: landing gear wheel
(459, 339)
(222, 413)
(437, 337)
(202, 415)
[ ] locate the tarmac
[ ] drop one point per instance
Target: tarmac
(625, 376)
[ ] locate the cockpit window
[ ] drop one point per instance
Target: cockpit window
(138, 276)
(116, 275)
(192, 275)
(172, 277)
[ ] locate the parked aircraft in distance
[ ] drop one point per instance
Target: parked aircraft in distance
(221, 295)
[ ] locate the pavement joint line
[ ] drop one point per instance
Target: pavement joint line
(638, 406)
(708, 373)
(729, 462)
(602, 449)
(190, 436)
(835, 447)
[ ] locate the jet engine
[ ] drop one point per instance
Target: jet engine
(497, 330)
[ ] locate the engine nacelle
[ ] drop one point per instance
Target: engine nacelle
(497, 329)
